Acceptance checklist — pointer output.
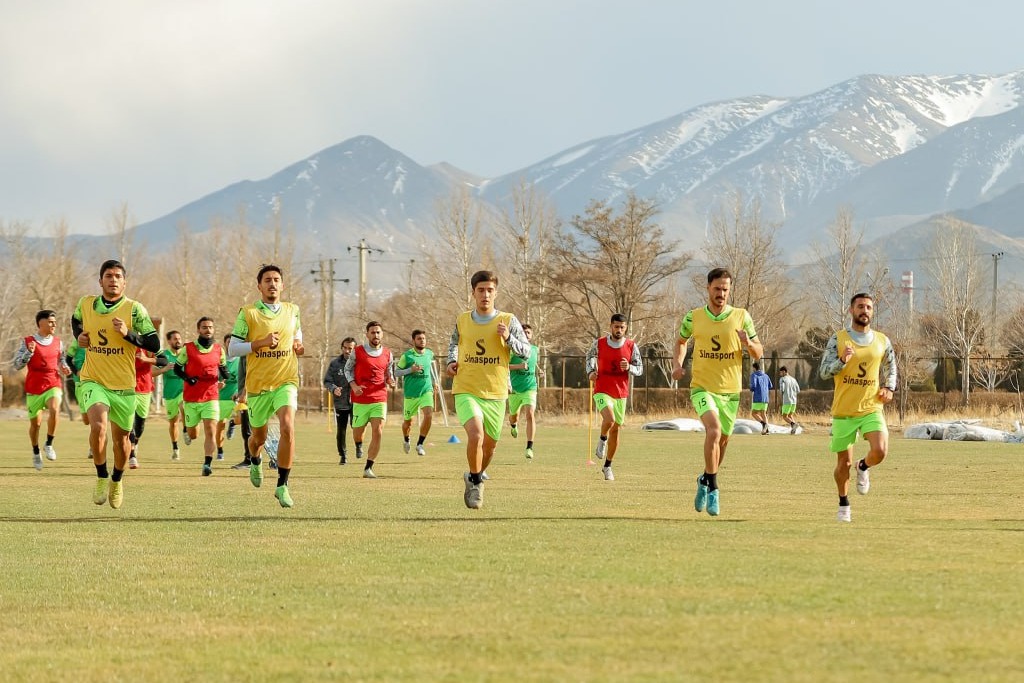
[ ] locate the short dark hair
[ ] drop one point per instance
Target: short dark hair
(718, 273)
(268, 268)
(527, 326)
(171, 334)
(346, 340)
(618, 318)
(783, 369)
(757, 366)
(483, 276)
(203, 320)
(44, 314)
(110, 264)
(861, 295)
(373, 323)
(416, 333)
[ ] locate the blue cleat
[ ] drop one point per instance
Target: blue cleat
(702, 496)
(713, 503)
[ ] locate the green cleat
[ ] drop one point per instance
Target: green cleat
(515, 431)
(256, 474)
(116, 494)
(282, 496)
(529, 454)
(99, 496)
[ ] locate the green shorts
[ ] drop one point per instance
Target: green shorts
(618, 405)
(173, 406)
(845, 429)
(121, 402)
(362, 413)
(411, 406)
(142, 402)
(197, 412)
(37, 402)
(78, 397)
(788, 408)
(490, 411)
(266, 404)
(518, 400)
(725, 406)
(758, 406)
(226, 408)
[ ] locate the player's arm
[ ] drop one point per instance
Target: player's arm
(887, 369)
(749, 338)
(831, 363)
(332, 372)
(517, 363)
(238, 347)
(142, 332)
(22, 356)
(636, 361)
(517, 340)
(590, 362)
(453, 352)
(402, 367)
(350, 368)
(222, 367)
(163, 364)
(685, 332)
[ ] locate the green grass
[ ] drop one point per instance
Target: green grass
(561, 577)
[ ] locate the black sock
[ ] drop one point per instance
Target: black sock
(604, 437)
(862, 466)
(607, 463)
(208, 460)
(220, 450)
(844, 501)
(703, 479)
(529, 444)
(282, 475)
(712, 480)
(49, 439)
(419, 441)
(359, 445)
(35, 450)
(101, 471)
(406, 439)
(256, 461)
(174, 445)
(475, 478)
(369, 465)
(117, 474)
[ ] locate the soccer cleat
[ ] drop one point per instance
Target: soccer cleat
(406, 445)
(256, 474)
(843, 515)
(187, 438)
(242, 465)
(474, 495)
(99, 496)
(701, 499)
(50, 453)
(792, 428)
(863, 481)
(529, 454)
(281, 493)
(602, 445)
(220, 456)
(359, 452)
(116, 494)
(207, 470)
(420, 450)
(713, 503)
(37, 461)
(175, 454)
(342, 460)
(231, 429)
(515, 431)
(133, 463)
(764, 430)
(368, 474)
(608, 474)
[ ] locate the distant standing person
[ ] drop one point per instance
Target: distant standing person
(522, 402)
(269, 334)
(864, 372)
(173, 388)
(720, 333)
(417, 389)
(478, 356)
(370, 371)
(611, 361)
(144, 363)
(43, 354)
(335, 382)
(760, 386)
(110, 327)
(789, 388)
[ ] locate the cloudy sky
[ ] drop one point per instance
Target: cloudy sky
(156, 103)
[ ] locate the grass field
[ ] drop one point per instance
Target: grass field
(561, 577)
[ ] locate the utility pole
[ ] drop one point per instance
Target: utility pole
(324, 276)
(995, 283)
(363, 249)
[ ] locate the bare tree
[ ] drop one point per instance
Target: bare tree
(15, 264)
(460, 249)
(839, 269)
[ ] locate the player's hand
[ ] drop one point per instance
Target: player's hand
(884, 395)
(192, 381)
(677, 373)
(358, 390)
(744, 339)
(417, 368)
(623, 364)
(270, 340)
(391, 382)
(161, 360)
(503, 331)
(31, 346)
(298, 348)
(452, 368)
(847, 353)
(337, 391)
(120, 325)
(64, 370)
(592, 376)
(83, 340)
(220, 384)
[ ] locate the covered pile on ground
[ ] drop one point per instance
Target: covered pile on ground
(962, 430)
(689, 424)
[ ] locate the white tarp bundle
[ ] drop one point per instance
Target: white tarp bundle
(962, 430)
(689, 424)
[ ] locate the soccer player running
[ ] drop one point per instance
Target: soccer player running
(417, 388)
(789, 388)
(226, 398)
(760, 386)
(611, 361)
(173, 389)
(336, 383)
(110, 327)
(144, 363)
(478, 357)
(269, 334)
(522, 402)
(864, 373)
(202, 365)
(43, 354)
(370, 371)
(720, 333)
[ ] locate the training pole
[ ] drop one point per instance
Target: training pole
(590, 428)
